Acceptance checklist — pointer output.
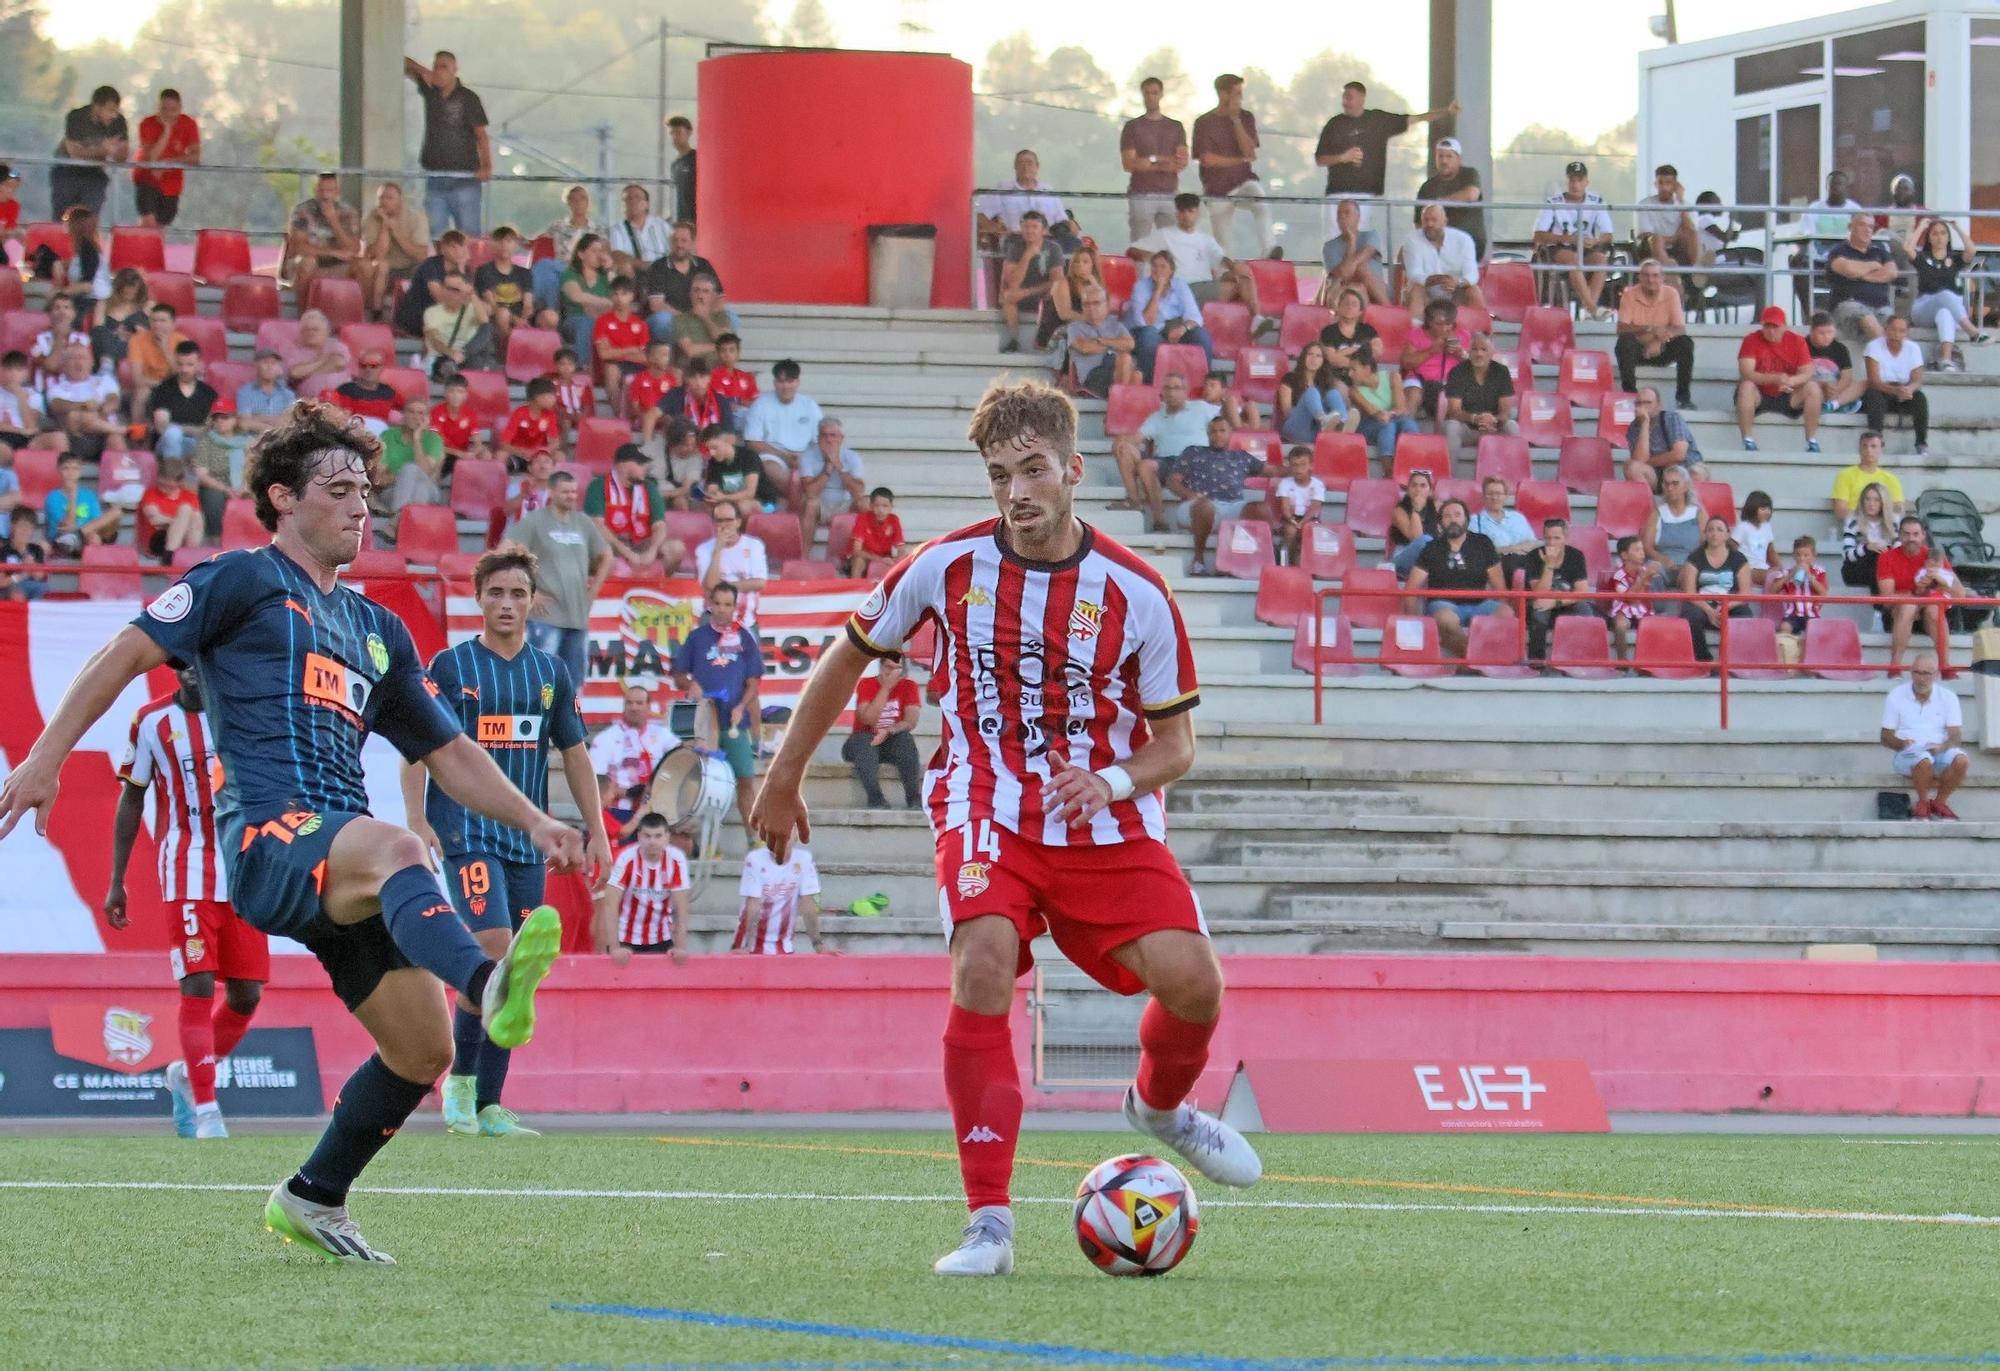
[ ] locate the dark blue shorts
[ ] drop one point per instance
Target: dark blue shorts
(485, 889)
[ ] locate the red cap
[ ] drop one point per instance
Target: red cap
(1773, 314)
(224, 405)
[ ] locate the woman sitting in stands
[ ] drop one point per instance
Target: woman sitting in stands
(1753, 537)
(1311, 397)
(1350, 332)
(121, 316)
(1716, 568)
(1064, 302)
(1868, 532)
(1413, 522)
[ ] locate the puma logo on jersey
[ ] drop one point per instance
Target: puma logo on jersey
(976, 596)
(982, 1134)
(298, 609)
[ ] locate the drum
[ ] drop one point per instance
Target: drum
(692, 787)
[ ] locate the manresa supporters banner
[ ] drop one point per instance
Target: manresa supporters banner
(274, 1071)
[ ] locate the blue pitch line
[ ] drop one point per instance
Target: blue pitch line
(1045, 1355)
(1716, 1359)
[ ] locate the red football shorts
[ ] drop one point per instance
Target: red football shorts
(1091, 900)
(209, 937)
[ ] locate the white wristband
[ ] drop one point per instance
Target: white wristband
(1119, 780)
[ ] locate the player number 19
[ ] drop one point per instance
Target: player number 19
(981, 840)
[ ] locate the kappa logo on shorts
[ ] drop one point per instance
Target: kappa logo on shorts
(972, 880)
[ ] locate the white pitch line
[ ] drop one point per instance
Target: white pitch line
(816, 1197)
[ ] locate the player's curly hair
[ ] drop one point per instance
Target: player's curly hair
(286, 455)
(1025, 409)
(508, 556)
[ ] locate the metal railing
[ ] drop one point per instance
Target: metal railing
(1935, 608)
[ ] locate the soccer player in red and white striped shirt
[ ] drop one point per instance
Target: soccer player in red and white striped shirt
(644, 903)
(1066, 684)
(171, 753)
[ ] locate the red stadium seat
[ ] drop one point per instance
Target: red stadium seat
(543, 249)
(1258, 371)
(228, 376)
(807, 569)
(1717, 500)
(1665, 649)
(277, 335)
(1623, 507)
(1264, 443)
(1494, 647)
(1596, 549)
(12, 295)
(19, 327)
(206, 332)
(425, 533)
(1579, 646)
(1473, 319)
(1277, 285)
(840, 536)
(1753, 649)
(340, 300)
(1129, 406)
(35, 469)
(1426, 450)
(1585, 463)
(1228, 325)
(186, 558)
(1369, 596)
(54, 237)
(1544, 418)
(220, 254)
(1184, 358)
(138, 245)
(172, 288)
(1243, 548)
(781, 534)
(119, 580)
(1615, 413)
(1283, 594)
(480, 249)
(1539, 500)
(1517, 367)
(1336, 645)
(118, 467)
(531, 352)
(1546, 334)
(477, 488)
(598, 441)
(247, 301)
(378, 562)
(693, 528)
(1120, 275)
(486, 396)
(1509, 288)
(1326, 551)
(1504, 455)
(409, 383)
(1584, 377)
(1339, 458)
(457, 566)
(1369, 501)
(1299, 325)
(362, 338)
(1833, 650)
(1462, 489)
(1410, 648)
(1392, 325)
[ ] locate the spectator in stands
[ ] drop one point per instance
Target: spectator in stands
(705, 320)
(1507, 529)
(1866, 471)
(1413, 522)
(325, 240)
(1311, 397)
(534, 426)
(1456, 559)
(680, 132)
(564, 235)
(1941, 254)
(85, 273)
(458, 330)
(1000, 212)
(1714, 568)
(1575, 231)
(95, 132)
(1354, 146)
(46, 352)
(1208, 483)
(1163, 310)
(625, 752)
(397, 239)
(178, 406)
(679, 474)
(1100, 348)
(1869, 532)
(23, 412)
(1242, 412)
(504, 287)
(1478, 399)
(1295, 501)
(585, 291)
(572, 560)
(1630, 577)
(575, 398)
(1225, 146)
(529, 491)
(1923, 726)
(263, 401)
(1349, 332)
(1352, 257)
(169, 517)
(721, 663)
(887, 707)
(1458, 184)
(454, 253)
(731, 382)
(784, 423)
(641, 237)
(1842, 207)
(73, 517)
(669, 282)
(1439, 263)
(23, 549)
(1674, 527)
(1381, 408)
(83, 403)
(413, 458)
(878, 532)
(1659, 438)
(1063, 305)
(1549, 570)
(367, 396)
(1914, 567)
(121, 315)
(1027, 277)
(696, 400)
(830, 477)
(1652, 332)
(1776, 376)
(1199, 259)
(456, 150)
(1177, 425)
(1840, 384)
(1896, 382)
(1861, 275)
(736, 557)
(1430, 354)
(618, 339)
(218, 464)
(734, 475)
(315, 356)
(631, 515)
(455, 423)
(1666, 227)
(1802, 582)
(10, 203)
(150, 355)
(648, 388)
(1154, 151)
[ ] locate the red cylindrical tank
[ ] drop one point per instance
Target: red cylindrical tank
(802, 151)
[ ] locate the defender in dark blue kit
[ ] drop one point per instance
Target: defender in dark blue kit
(299, 670)
(516, 702)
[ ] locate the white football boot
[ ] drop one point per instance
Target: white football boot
(325, 1230)
(988, 1249)
(1204, 1142)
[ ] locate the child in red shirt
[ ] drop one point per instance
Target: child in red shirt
(618, 340)
(535, 426)
(877, 534)
(10, 204)
(169, 513)
(645, 390)
(455, 423)
(573, 394)
(728, 380)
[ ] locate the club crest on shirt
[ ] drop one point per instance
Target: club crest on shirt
(548, 695)
(378, 653)
(972, 880)
(1084, 619)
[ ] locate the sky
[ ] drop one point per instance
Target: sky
(1588, 98)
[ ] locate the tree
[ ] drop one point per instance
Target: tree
(39, 86)
(1178, 96)
(811, 27)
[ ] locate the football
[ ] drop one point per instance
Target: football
(1135, 1216)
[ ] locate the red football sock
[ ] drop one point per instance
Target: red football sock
(229, 1029)
(198, 1045)
(985, 1090)
(1172, 1053)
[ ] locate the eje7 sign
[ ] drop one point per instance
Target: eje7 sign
(1480, 1087)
